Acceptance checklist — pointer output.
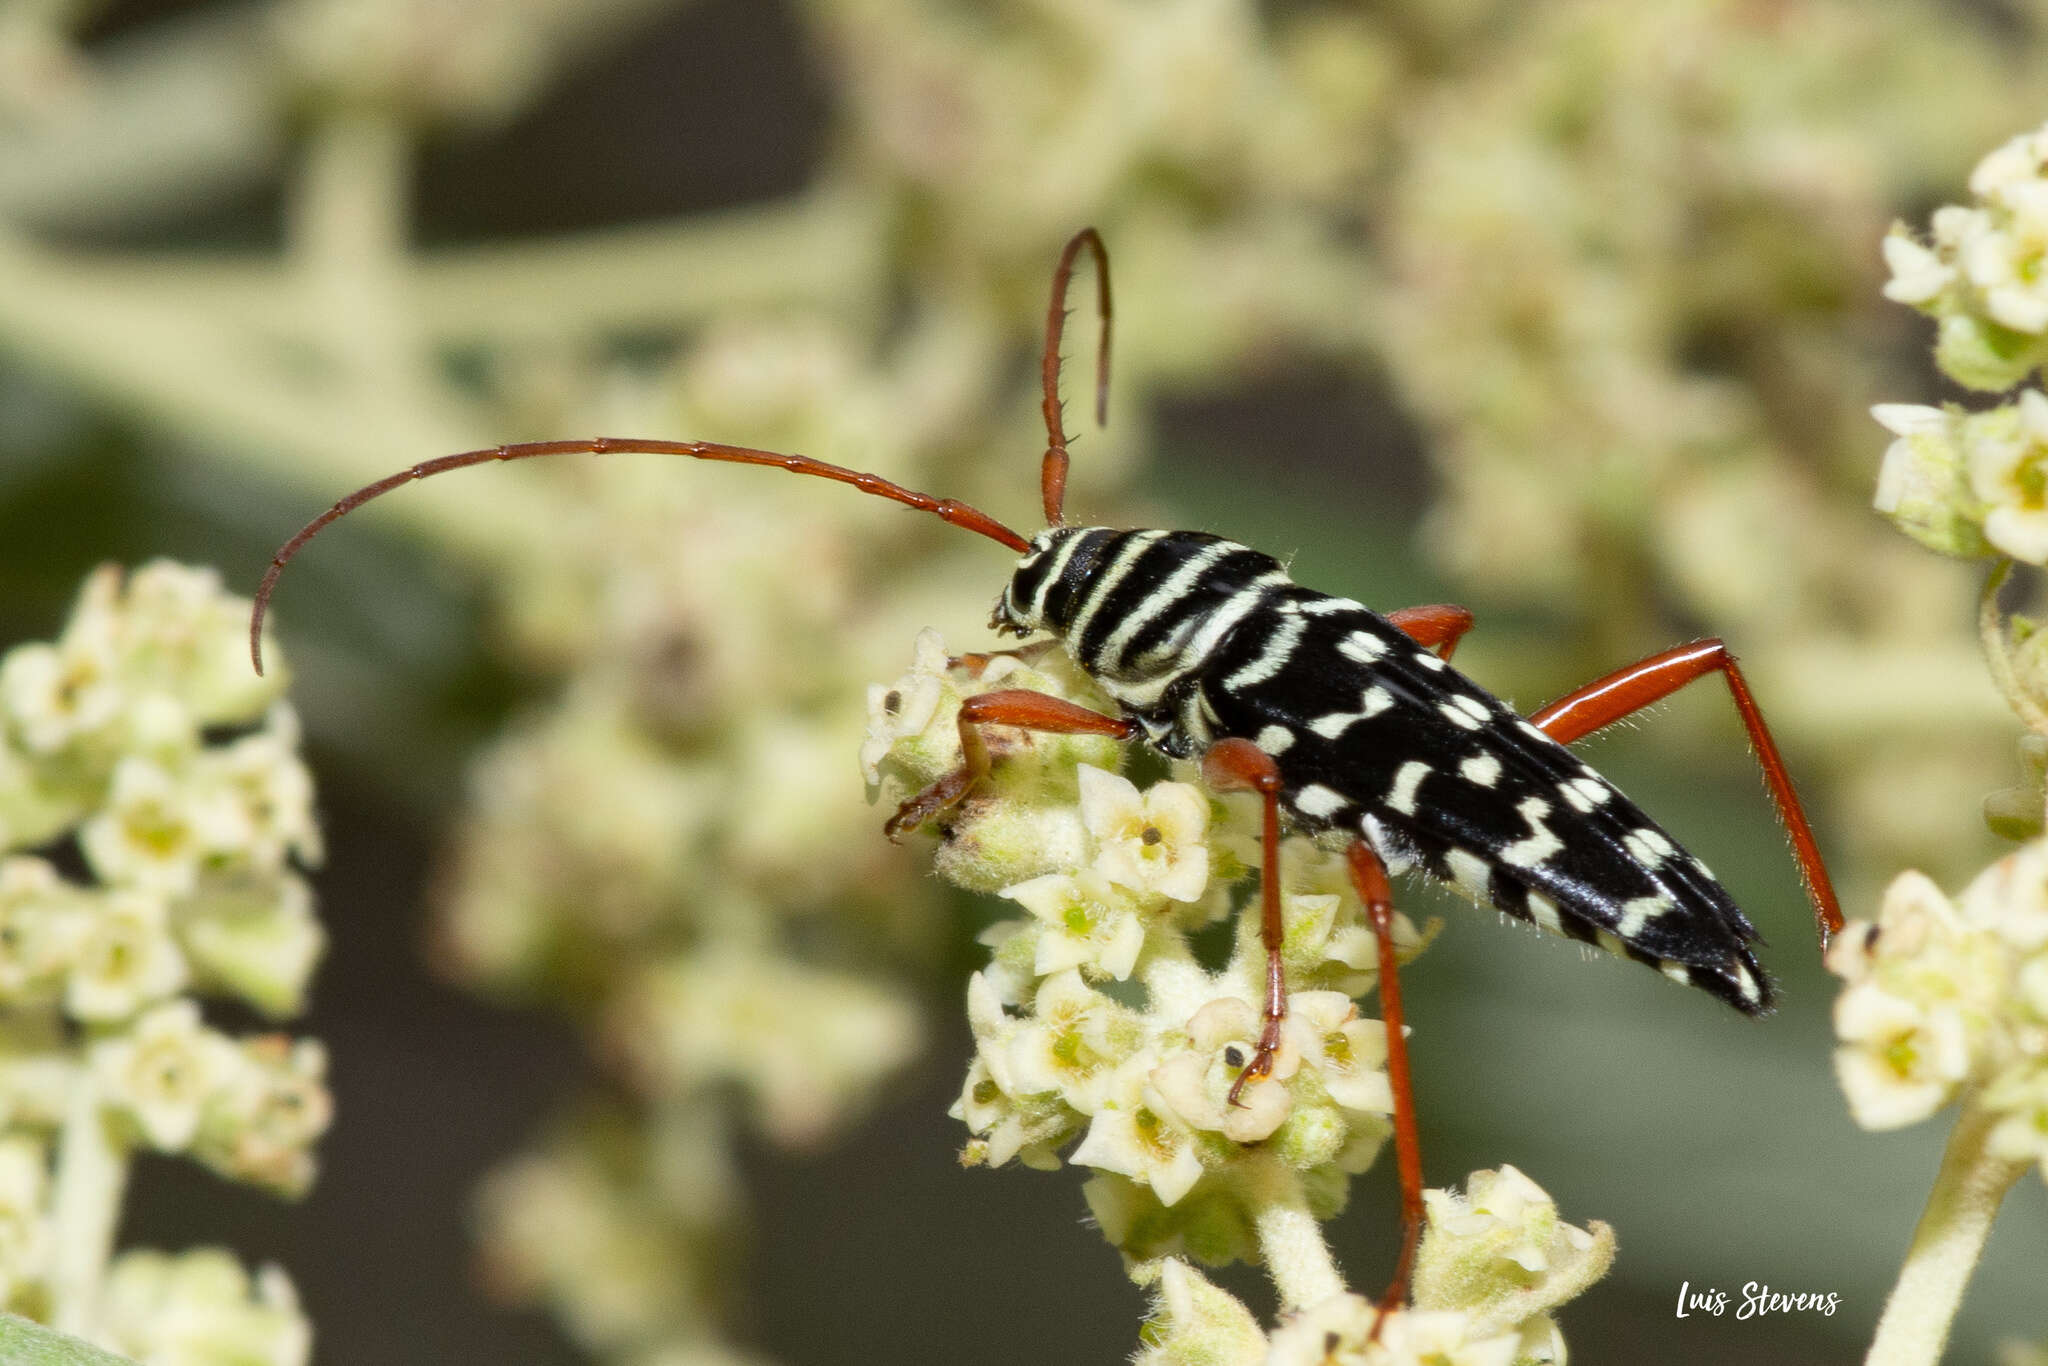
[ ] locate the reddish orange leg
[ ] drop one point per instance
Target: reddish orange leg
(1637, 686)
(1241, 766)
(1018, 707)
(1439, 624)
(1369, 876)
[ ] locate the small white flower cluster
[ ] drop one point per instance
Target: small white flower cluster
(1098, 1019)
(1976, 483)
(1948, 997)
(108, 756)
(1983, 274)
(616, 1225)
(201, 1308)
(1493, 1263)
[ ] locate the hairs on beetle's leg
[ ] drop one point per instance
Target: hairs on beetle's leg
(1019, 707)
(1369, 876)
(1235, 765)
(1625, 691)
(1052, 474)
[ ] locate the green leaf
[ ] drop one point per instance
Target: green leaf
(23, 1343)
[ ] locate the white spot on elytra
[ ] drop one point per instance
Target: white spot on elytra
(1639, 912)
(1318, 801)
(1401, 796)
(1535, 732)
(1463, 711)
(1704, 871)
(1375, 700)
(1469, 872)
(1540, 843)
(1324, 607)
(1428, 659)
(1648, 846)
(1483, 769)
(1275, 739)
(1362, 646)
(1584, 793)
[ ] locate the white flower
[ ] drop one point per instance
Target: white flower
(165, 1071)
(1347, 1053)
(2010, 898)
(1918, 274)
(149, 834)
(1086, 923)
(1333, 1332)
(1149, 843)
(125, 958)
(1193, 1320)
(40, 919)
(1074, 1039)
(1135, 1134)
(1443, 1338)
(201, 1308)
(906, 707)
(1902, 1059)
(2021, 1134)
(25, 1233)
(270, 796)
(2008, 470)
(1222, 1039)
(54, 696)
(262, 1122)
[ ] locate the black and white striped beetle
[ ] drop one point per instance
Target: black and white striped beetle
(1347, 723)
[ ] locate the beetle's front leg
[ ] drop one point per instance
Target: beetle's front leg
(1019, 707)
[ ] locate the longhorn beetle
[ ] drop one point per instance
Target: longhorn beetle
(1348, 724)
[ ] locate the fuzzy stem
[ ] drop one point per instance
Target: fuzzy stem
(1998, 652)
(1966, 1195)
(92, 1176)
(1291, 1240)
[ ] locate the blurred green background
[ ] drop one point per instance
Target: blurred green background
(1568, 312)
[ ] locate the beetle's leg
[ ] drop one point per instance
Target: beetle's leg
(974, 664)
(1439, 624)
(1369, 876)
(1241, 766)
(1017, 707)
(1631, 689)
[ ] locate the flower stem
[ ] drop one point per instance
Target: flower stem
(1998, 651)
(1296, 1256)
(1966, 1196)
(92, 1175)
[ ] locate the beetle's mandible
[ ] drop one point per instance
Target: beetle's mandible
(1347, 723)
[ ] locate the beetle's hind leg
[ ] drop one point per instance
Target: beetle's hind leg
(1240, 766)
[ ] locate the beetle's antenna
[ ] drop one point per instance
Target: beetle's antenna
(1052, 475)
(957, 513)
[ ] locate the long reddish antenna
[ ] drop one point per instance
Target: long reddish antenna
(958, 514)
(1052, 475)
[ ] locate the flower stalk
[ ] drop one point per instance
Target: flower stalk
(1967, 1193)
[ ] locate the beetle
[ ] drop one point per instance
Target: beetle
(1348, 724)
